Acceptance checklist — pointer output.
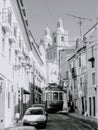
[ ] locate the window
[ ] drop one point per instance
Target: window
(16, 56)
(62, 38)
(75, 83)
(48, 44)
(9, 50)
(34, 112)
(50, 55)
(66, 74)
(20, 41)
(8, 99)
(93, 63)
(93, 78)
(70, 67)
(90, 107)
(81, 82)
(60, 96)
(94, 106)
(19, 93)
(15, 30)
(54, 39)
(50, 96)
(55, 96)
(3, 40)
(8, 96)
(79, 62)
(3, 44)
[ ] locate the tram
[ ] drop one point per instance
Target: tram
(53, 98)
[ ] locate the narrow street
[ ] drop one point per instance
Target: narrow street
(64, 121)
(49, 63)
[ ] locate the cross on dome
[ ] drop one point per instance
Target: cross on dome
(60, 23)
(47, 31)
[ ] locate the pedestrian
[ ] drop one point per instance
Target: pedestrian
(17, 117)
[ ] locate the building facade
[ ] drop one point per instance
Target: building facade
(22, 74)
(82, 77)
(78, 79)
(53, 45)
(92, 71)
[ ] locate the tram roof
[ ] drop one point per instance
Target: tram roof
(54, 87)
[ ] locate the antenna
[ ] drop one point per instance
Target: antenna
(80, 21)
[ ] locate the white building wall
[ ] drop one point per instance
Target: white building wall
(92, 52)
(14, 79)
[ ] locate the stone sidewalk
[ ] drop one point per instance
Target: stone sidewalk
(79, 116)
(19, 123)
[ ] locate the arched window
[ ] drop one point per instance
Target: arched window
(54, 39)
(62, 38)
(48, 44)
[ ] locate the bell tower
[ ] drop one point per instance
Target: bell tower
(61, 34)
(47, 38)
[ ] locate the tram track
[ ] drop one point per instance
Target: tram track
(84, 122)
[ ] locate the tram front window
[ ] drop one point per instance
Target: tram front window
(60, 96)
(55, 96)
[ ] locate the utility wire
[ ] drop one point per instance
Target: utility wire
(87, 51)
(48, 9)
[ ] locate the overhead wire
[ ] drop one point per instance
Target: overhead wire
(74, 53)
(49, 11)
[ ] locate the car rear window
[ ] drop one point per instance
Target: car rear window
(34, 112)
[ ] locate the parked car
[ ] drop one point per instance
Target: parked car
(43, 106)
(39, 105)
(35, 116)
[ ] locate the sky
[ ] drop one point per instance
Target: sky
(41, 13)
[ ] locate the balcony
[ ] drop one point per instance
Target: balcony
(12, 37)
(27, 69)
(21, 55)
(23, 62)
(6, 19)
(17, 48)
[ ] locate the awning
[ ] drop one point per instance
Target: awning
(25, 92)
